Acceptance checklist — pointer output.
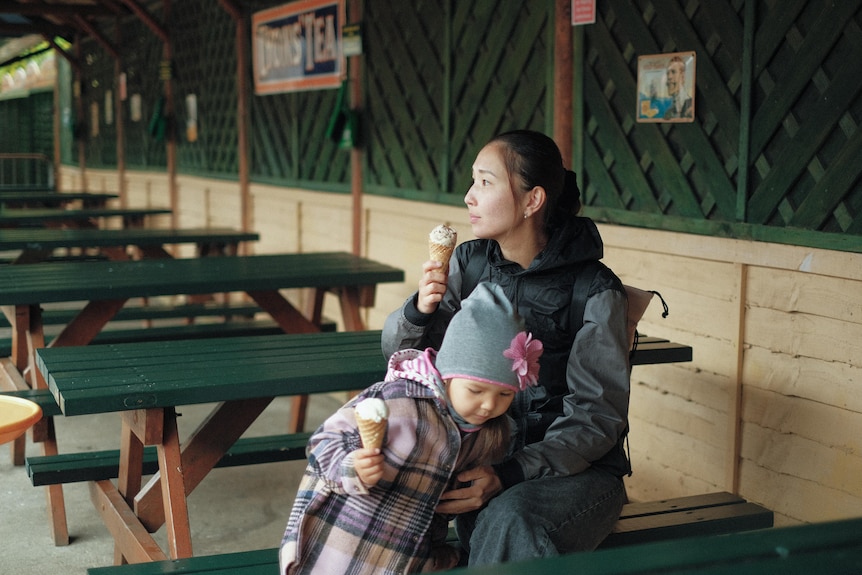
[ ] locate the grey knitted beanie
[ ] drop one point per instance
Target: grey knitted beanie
(486, 342)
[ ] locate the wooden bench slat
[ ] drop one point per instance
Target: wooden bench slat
(52, 238)
(98, 465)
(660, 351)
(257, 562)
(175, 332)
(688, 523)
(41, 215)
(638, 509)
(154, 312)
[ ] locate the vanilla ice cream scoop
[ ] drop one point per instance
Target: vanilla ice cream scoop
(372, 409)
(443, 235)
(441, 244)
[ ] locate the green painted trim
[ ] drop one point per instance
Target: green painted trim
(745, 111)
(731, 230)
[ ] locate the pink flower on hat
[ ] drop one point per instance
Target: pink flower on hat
(525, 351)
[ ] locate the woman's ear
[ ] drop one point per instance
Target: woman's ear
(535, 200)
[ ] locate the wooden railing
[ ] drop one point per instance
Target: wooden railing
(26, 171)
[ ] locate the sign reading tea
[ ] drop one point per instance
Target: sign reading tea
(297, 46)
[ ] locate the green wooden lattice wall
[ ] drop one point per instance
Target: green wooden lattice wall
(773, 154)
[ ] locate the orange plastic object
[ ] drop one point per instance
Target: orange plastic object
(16, 417)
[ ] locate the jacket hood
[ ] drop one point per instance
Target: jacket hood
(578, 241)
(417, 366)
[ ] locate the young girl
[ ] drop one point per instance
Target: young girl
(361, 510)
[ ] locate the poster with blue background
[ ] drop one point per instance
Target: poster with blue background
(297, 46)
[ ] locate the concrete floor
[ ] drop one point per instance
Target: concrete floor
(233, 509)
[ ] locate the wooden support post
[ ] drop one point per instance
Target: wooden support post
(242, 115)
(355, 11)
(563, 79)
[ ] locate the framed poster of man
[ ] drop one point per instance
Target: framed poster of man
(666, 84)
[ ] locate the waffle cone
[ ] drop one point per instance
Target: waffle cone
(440, 253)
(371, 432)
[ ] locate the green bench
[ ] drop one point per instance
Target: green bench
(98, 465)
(240, 314)
(190, 311)
(69, 259)
(640, 522)
(708, 514)
(174, 332)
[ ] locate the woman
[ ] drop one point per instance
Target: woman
(561, 489)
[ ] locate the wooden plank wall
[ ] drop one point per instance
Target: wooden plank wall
(771, 406)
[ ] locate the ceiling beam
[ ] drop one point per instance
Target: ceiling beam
(95, 33)
(147, 19)
(43, 28)
(69, 57)
(43, 9)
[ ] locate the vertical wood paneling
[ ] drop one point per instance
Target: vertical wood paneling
(800, 451)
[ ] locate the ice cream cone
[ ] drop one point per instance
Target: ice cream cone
(372, 415)
(441, 244)
(372, 432)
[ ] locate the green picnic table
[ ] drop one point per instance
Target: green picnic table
(241, 376)
(37, 244)
(83, 217)
(37, 198)
(108, 285)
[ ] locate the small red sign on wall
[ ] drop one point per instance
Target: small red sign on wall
(583, 12)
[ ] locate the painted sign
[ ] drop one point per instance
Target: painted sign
(298, 46)
(583, 12)
(666, 85)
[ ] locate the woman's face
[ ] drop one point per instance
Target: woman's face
(490, 201)
(478, 402)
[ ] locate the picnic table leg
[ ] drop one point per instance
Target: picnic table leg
(129, 535)
(173, 489)
(131, 469)
(132, 542)
(350, 300)
(298, 410)
(291, 321)
(202, 450)
(88, 323)
(281, 310)
(19, 319)
(43, 431)
(54, 493)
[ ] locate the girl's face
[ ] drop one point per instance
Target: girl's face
(490, 199)
(478, 402)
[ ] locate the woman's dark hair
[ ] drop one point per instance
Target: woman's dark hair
(533, 159)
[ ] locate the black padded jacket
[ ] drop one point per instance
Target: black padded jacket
(577, 416)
